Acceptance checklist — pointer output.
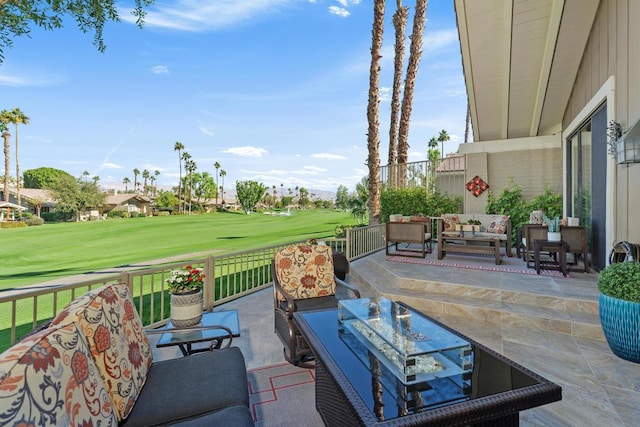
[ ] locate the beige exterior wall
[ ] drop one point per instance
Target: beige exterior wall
(613, 49)
(533, 164)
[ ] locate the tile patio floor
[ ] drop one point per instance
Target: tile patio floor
(598, 388)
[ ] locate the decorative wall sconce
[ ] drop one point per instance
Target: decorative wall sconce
(477, 186)
(628, 146)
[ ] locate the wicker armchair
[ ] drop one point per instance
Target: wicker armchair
(303, 279)
(532, 232)
(576, 238)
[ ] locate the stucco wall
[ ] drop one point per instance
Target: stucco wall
(613, 49)
(531, 163)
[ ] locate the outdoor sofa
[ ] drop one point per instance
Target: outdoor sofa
(93, 366)
(491, 226)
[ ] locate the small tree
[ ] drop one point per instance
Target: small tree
(249, 193)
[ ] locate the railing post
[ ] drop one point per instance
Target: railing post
(125, 278)
(209, 282)
(348, 244)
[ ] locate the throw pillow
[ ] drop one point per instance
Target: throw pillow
(498, 224)
(449, 221)
(306, 271)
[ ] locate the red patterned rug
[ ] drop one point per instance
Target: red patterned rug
(283, 395)
(507, 265)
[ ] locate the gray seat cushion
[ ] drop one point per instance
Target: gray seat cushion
(234, 416)
(188, 387)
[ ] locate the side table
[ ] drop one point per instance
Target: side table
(215, 327)
(558, 247)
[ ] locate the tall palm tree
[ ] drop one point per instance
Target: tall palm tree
(136, 172)
(415, 52)
(223, 173)
(216, 165)
(4, 121)
(126, 182)
(467, 122)
(442, 138)
(373, 140)
(178, 146)
(145, 175)
(399, 23)
(18, 118)
(190, 168)
(185, 158)
(156, 173)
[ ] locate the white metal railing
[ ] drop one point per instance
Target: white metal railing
(228, 276)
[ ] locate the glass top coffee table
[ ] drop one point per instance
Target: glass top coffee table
(377, 361)
(211, 329)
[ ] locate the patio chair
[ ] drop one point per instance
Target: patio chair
(532, 232)
(576, 238)
(303, 279)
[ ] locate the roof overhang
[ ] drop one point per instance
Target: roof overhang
(520, 61)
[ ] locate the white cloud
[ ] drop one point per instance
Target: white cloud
(328, 156)
(110, 166)
(160, 69)
(197, 16)
(385, 94)
(206, 131)
(339, 11)
(439, 39)
(24, 80)
(314, 169)
(246, 151)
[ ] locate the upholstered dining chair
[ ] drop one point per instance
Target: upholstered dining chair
(303, 279)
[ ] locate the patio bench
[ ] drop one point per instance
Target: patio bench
(93, 366)
(492, 226)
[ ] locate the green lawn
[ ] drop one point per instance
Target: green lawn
(38, 254)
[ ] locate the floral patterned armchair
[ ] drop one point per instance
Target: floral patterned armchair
(303, 279)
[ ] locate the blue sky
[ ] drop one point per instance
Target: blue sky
(273, 90)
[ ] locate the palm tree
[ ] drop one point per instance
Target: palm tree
(95, 179)
(126, 182)
(5, 119)
(179, 147)
(185, 158)
(467, 122)
(18, 118)
(281, 189)
(156, 173)
(399, 23)
(190, 167)
(145, 175)
(442, 138)
(415, 51)
(223, 173)
(136, 172)
(373, 141)
(216, 165)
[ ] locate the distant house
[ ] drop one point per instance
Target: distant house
(35, 200)
(127, 202)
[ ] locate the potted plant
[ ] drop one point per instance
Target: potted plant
(619, 286)
(554, 228)
(185, 286)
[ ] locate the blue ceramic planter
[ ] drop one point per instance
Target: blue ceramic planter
(621, 325)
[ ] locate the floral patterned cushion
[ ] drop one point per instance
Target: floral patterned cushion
(498, 224)
(306, 271)
(49, 378)
(118, 344)
(449, 221)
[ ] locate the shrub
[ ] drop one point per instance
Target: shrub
(621, 280)
(51, 216)
(34, 221)
(134, 214)
(416, 200)
(161, 213)
(13, 224)
(117, 214)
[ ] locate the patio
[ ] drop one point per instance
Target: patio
(548, 324)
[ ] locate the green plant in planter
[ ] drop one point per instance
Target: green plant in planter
(619, 286)
(621, 280)
(552, 224)
(474, 222)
